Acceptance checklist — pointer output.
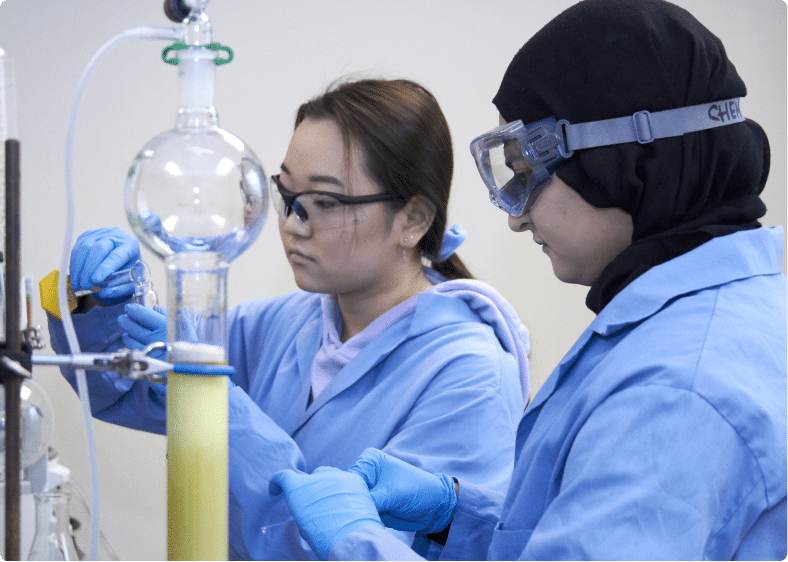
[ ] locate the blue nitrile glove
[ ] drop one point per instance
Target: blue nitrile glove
(407, 498)
(327, 504)
(97, 254)
(143, 326)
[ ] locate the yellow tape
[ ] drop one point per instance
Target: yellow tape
(48, 288)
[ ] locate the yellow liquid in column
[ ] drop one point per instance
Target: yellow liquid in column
(197, 479)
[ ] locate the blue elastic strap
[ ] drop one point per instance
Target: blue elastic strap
(644, 127)
(203, 369)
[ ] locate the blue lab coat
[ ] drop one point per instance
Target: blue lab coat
(660, 435)
(439, 389)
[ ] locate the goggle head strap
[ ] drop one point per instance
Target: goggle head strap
(644, 127)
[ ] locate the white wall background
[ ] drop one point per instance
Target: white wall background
(286, 52)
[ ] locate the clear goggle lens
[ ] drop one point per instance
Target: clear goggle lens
(517, 197)
(516, 161)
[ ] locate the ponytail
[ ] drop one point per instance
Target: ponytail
(453, 268)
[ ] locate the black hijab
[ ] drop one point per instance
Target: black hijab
(610, 58)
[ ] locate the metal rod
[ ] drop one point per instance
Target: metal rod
(13, 337)
(12, 466)
(13, 343)
(86, 361)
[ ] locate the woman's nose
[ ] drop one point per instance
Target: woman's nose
(519, 224)
(294, 225)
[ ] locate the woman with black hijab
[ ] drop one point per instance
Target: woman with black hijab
(662, 433)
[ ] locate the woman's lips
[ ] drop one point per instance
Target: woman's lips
(541, 243)
(297, 255)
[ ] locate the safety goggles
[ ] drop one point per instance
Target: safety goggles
(516, 160)
(320, 210)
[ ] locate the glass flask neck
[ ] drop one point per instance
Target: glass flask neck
(189, 118)
(196, 74)
(53, 540)
(145, 295)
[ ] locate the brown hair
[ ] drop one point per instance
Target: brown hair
(406, 144)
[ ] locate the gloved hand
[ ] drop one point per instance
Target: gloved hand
(327, 504)
(143, 326)
(407, 498)
(97, 254)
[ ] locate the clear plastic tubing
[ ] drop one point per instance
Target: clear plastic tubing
(68, 325)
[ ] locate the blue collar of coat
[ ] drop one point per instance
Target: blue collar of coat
(432, 312)
(726, 258)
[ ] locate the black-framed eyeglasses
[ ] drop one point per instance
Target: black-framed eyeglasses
(323, 209)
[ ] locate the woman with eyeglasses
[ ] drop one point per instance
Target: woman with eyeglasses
(661, 435)
(377, 349)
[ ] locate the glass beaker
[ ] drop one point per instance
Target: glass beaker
(53, 539)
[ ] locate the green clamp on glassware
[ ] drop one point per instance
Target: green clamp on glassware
(178, 46)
